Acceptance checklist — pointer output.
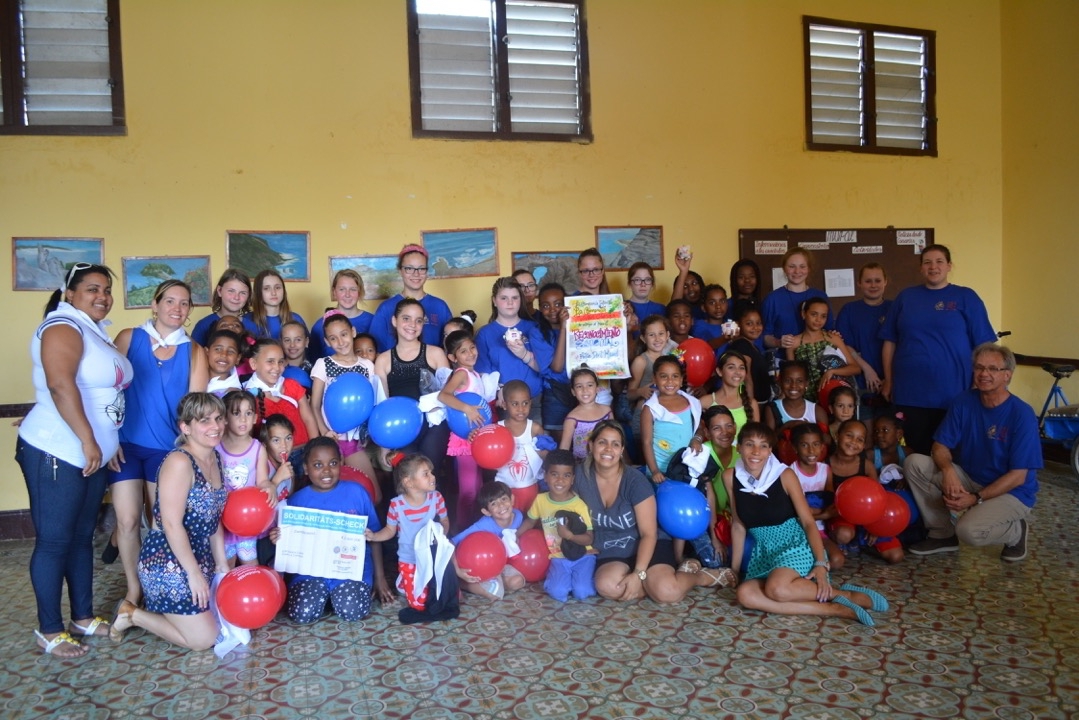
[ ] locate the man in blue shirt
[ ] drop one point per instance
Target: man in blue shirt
(983, 469)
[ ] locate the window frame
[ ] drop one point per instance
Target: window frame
(12, 86)
(501, 84)
(869, 89)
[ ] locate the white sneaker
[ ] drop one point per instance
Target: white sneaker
(495, 587)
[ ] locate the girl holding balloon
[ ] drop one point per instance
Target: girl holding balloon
(461, 352)
(339, 334)
(244, 464)
(788, 565)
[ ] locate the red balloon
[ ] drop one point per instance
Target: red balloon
(248, 512)
(861, 500)
(895, 519)
(824, 395)
(492, 446)
(534, 558)
(723, 529)
(360, 478)
(699, 359)
(482, 554)
(250, 596)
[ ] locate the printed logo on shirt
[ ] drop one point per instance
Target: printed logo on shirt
(950, 306)
(1000, 434)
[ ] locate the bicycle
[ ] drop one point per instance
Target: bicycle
(1059, 420)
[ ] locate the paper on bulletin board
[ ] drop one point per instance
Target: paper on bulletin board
(596, 335)
(779, 278)
(321, 543)
(839, 283)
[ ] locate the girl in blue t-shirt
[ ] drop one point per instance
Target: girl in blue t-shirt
(782, 308)
(269, 306)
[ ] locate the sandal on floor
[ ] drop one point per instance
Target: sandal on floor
(124, 610)
(690, 566)
(63, 638)
(859, 612)
(90, 629)
(880, 603)
(725, 577)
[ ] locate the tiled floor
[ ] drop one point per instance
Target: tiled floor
(968, 636)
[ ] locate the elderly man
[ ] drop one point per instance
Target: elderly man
(983, 469)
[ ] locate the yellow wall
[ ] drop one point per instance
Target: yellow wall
(284, 115)
(1041, 178)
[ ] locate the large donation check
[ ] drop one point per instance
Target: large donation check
(321, 543)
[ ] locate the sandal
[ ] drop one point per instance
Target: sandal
(724, 578)
(690, 566)
(859, 612)
(121, 620)
(90, 629)
(63, 639)
(880, 603)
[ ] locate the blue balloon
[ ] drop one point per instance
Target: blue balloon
(348, 401)
(459, 421)
(296, 373)
(682, 510)
(908, 497)
(395, 422)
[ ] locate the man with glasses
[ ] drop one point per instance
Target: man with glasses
(412, 264)
(981, 480)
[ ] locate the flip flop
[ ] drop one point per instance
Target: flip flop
(690, 566)
(63, 638)
(880, 603)
(116, 634)
(724, 578)
(89, 630)
(859, 612)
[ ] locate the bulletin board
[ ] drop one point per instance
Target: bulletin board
(837, 255)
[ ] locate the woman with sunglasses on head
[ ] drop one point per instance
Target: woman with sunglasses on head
(413, 266)
(79, 378)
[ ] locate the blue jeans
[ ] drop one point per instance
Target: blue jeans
(565, 575)
(63, 507)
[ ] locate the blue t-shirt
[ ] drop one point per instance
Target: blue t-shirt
(436, 312)
(934, 332)
(201, 332)
(344, 497)
(988, 442)
(706, 331)
(495, 356)
(782, 311)
(272, 323)
(648, 307)
(316, 346)
(860, 324)
(488, 524)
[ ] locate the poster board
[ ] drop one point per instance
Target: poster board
(320, 543)
(837, 255)
(596, 335)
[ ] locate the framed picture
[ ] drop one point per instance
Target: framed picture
(42, 263)
(548, 267)
(621, 246)
(286, 251)
(142, 275)
(461, 253)
(379, 272)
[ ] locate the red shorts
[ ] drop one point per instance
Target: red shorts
(406, 581)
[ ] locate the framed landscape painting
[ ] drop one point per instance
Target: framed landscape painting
(461, 253)
(379, 272)
(142, 275)
(621, 246)
(286, 251)
(547, 267)
(42, 263)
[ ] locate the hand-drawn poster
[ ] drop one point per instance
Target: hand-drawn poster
(596, 335)
(321, 543)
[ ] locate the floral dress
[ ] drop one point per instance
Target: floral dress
(164, 581)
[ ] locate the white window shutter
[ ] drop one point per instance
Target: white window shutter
(66, 44)
(899, 62)
(837, 60)
(543, 69)
(457, 84)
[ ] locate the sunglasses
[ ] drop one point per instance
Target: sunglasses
(77, 267)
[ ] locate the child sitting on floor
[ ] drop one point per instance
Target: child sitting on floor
(499, 515)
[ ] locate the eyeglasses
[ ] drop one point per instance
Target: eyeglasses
(989, 369)
(77, 267)
(590, 271)
(641, 281)
(410, 270)
(528, 286)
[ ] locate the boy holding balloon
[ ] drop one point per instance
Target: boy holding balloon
(502, 521)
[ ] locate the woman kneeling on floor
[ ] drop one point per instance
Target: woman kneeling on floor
(186, 544)
(788, 566)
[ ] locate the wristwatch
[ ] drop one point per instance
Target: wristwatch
(642, 575)
(980, 499)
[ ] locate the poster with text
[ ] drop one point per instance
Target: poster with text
(321, 543)
(596, 335)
